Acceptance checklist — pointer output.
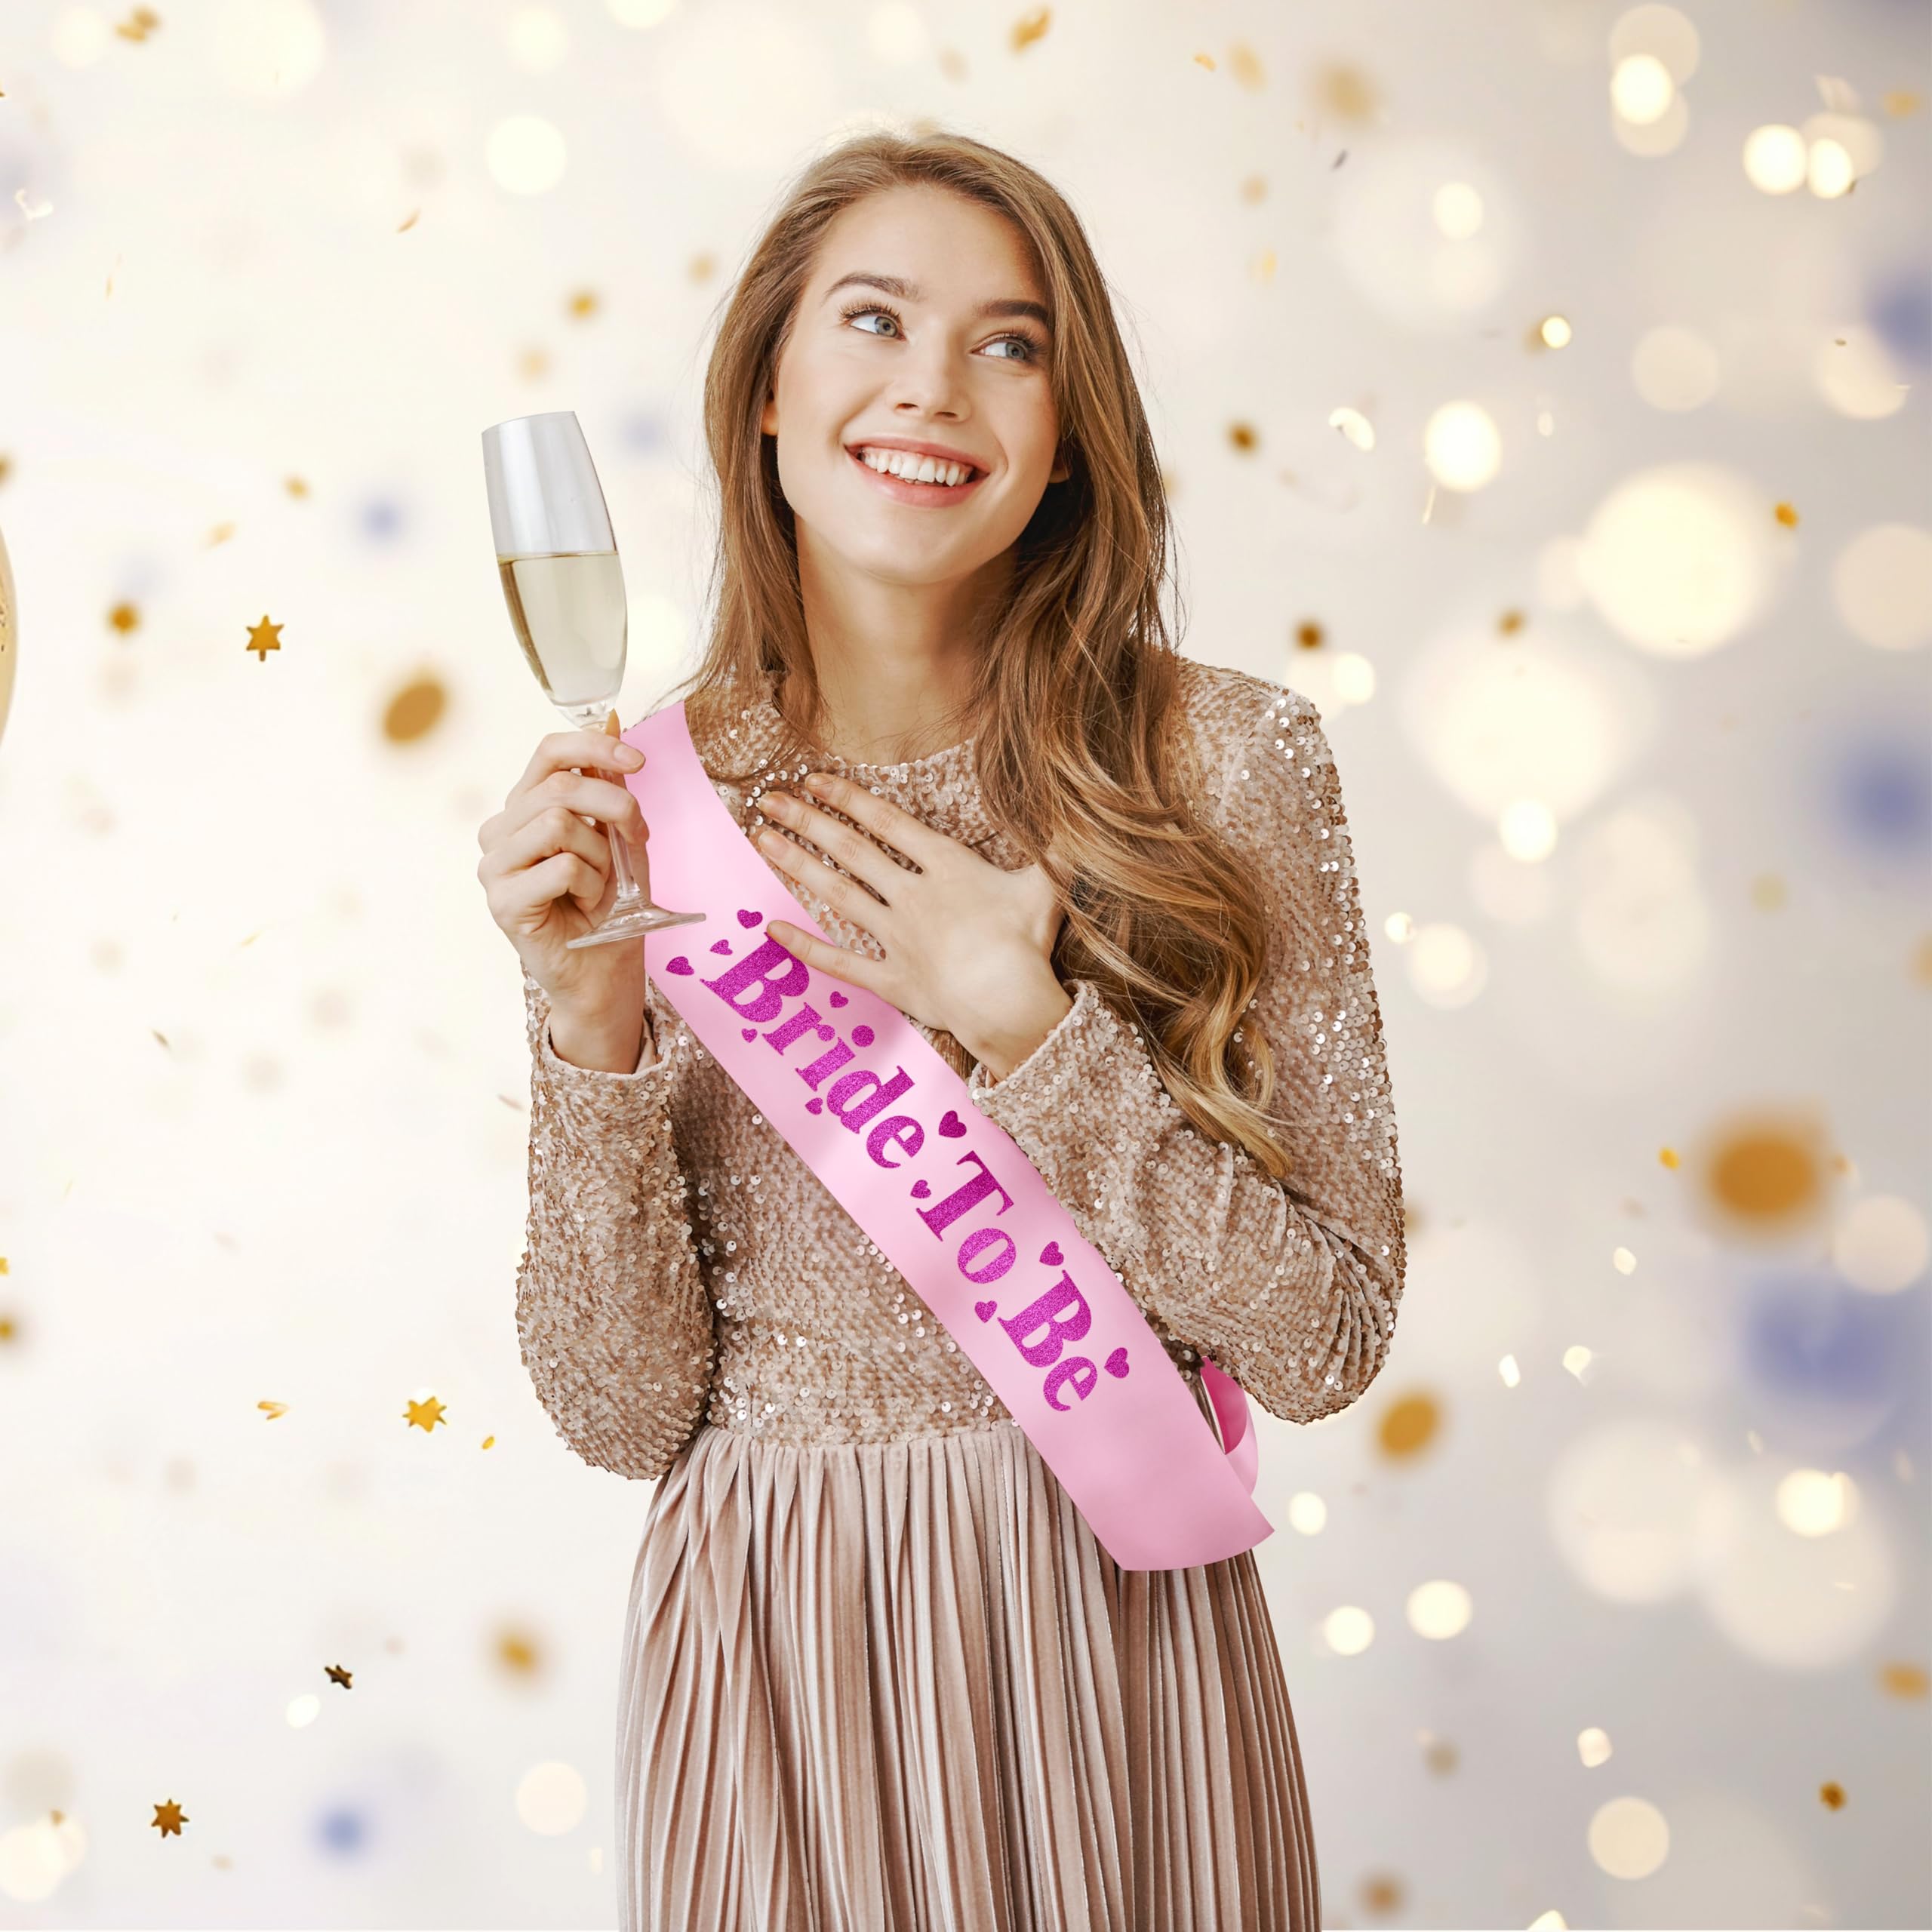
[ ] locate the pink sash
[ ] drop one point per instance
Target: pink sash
(950, 1198)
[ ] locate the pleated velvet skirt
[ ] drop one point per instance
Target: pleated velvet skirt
(901, 1688)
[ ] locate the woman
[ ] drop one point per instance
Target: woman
(878, 1672)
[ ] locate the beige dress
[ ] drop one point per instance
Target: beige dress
(878, 1674)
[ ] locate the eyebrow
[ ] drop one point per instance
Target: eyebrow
(907, 291)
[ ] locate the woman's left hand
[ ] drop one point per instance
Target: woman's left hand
(968, 947)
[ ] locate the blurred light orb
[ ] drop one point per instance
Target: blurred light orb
(77, 37)
(343, 1830)
(1675, 368)
(1528, 831)
(1456, 208)
(1853, 371)
(552, 1798)
(1556, 332)
(1593, 1747)
(1853, 141)
(1813, 1502)
(747, 86)
(1351, 679)
(1349, 1630)
(1821, 1364)
(536, 39)
(1679, 559)
(1461, 446)
(525, 154)
(303, 1711)
(1790, 1601)
(1882, 793)
(1387, 230)
(1493, 725)
(1774, 158)
(640, 13)
(1623, 1503)
(1881, 1245)
(36, 1856)
(1667, 35)
(1828, 170)
(1651, 140)
(1643, 921)
(1629, 1837)
(897, 34)
(1642, 90)
(1439, 1609)
(1308, 1514)
(1448, 968)
(265, 48)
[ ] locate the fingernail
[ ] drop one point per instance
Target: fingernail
(629, 754)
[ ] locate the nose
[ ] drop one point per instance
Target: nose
(928, 381)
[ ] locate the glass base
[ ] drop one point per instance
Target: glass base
(633, 921)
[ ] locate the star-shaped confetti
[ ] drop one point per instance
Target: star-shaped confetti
(169, 1817)
(263, 638)
(426, 1415)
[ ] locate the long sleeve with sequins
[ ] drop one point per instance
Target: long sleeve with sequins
(1290, 1286)
(613, 1315)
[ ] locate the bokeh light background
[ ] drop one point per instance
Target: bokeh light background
(1543, 387)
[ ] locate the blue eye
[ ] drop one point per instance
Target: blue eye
(1025, 341)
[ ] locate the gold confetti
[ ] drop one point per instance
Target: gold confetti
(489, 1442)
(953, 63)
(124, 618)
(1346, 92)
(1921, 961)
(1245, 65)
(1243, 435)
(220, 534)
(1310, 634)
(1787, 516)
(263, 638)
(701, 267)
(273, 1409)
(1903, 1680)
(1030, 27)
(414, 710)
(1667, 1157)
(584, 302)
(6, 467)
(1409, 1426)
(517, 1651)
(1768, 893)
(533, 363)
(1511, 622)
(1767, 1173)
(1254, 189)
(336, 1675)
(141, 23)
(1899, 102)
(1262, 269)
(409, 221)
(9, 1328)
(296, 487)
(169, 1817)
(1204, 61)
(424, 1416)
(1832, 1793)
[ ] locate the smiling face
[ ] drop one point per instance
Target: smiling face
(922, 324)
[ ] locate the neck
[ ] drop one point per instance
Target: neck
(895, 662)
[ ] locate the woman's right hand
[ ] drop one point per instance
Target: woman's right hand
(548, 877)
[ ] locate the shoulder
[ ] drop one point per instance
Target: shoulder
(1240, 723)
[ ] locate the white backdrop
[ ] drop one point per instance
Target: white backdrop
(1608, 1601)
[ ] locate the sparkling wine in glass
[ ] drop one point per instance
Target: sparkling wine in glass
(565, 589)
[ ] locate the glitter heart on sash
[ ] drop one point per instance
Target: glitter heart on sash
(949, 1198)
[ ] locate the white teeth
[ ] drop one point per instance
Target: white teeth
(914, 469)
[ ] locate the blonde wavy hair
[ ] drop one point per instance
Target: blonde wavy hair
(1075, 705)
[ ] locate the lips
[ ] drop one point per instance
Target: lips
(931, 495)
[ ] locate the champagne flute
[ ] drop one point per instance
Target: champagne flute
(565, 588)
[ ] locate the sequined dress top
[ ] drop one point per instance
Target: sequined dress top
(877, 1671)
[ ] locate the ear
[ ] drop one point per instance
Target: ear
(1061, 471)
(768, 421)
